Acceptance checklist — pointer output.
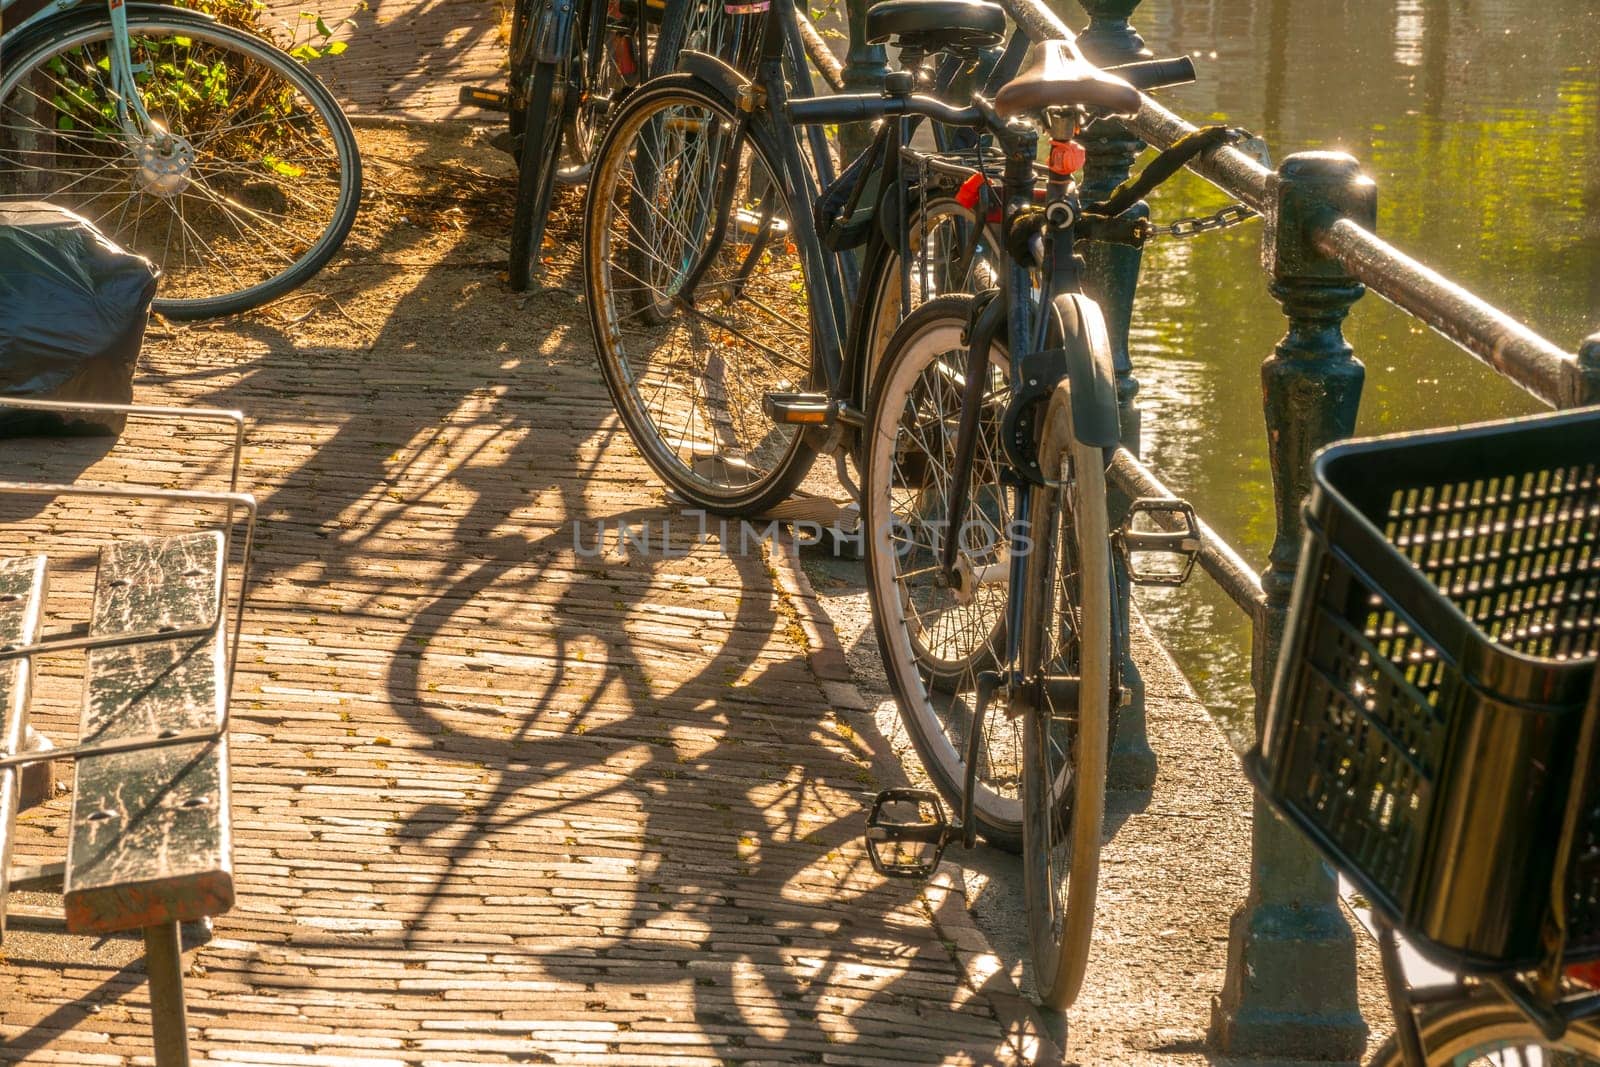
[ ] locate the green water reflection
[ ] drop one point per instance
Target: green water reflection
(1480, 122)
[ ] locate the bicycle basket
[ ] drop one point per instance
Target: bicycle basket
(1433, 679)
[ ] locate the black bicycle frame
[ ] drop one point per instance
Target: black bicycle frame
(839, 318)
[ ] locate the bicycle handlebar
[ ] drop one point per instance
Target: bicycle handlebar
(869, 107)
(1149, 74)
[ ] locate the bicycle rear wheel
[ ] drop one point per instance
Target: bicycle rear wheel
(248, 186)
(690, 371)
(1067, 634)
(707, 26)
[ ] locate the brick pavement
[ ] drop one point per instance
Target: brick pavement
(407, 58)
(496, 800)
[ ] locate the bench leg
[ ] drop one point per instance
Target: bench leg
(169, 1025)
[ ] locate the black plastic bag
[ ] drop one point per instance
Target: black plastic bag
(73, 308)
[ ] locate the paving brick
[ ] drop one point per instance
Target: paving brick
(494, 801)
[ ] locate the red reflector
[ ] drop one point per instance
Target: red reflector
(622, 54)
(1066, 157)
(967, 196)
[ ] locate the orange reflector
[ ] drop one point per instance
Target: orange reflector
(1066, 157)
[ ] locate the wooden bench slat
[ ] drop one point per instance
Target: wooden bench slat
(22, 591)
(150, 829)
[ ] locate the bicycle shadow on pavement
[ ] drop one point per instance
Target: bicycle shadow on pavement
(471, 751)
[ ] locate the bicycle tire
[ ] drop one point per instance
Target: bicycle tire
(549, 98)
(650, 338)
(520, 58)
(254, 188)
(1068, 629)
(933, 640)
(1482, 1029)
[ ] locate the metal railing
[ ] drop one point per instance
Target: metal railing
(1289, 992)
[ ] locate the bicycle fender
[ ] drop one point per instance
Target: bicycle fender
(1089, 368)
(552, 35)
(25, 37)
(714, 72)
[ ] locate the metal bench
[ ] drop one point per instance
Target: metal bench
(149, 847)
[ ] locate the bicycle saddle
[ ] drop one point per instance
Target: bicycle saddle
(1059, 77)
(937, 25)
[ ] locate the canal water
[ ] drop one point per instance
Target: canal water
(1479, 121)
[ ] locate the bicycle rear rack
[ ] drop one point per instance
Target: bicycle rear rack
(148, 842)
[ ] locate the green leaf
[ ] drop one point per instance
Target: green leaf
(322, 28)
(64, 122)
(336, 47)
(183, 42)
(305, 53)
(288, 170)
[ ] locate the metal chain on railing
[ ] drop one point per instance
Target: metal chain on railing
(1195, 225)
(1235, 213)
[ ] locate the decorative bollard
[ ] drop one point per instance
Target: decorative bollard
(1111, 277)
(1290, 990)
(1588, 371)
(864, 68)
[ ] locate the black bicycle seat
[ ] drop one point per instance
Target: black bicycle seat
(1059, 77)
(937, 25)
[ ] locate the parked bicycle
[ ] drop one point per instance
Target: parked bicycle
(204, 148)
(738, 341)
(572, 63)
(1435, 722)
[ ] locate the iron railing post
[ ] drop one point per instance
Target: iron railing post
(1111, 277)
(864, 68)
(1290, 990)
(1589, 371)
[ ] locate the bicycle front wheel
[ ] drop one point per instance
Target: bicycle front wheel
(1066, 636)
(935, 637)
(1482, 1030)
(698, 296)
(245, 185)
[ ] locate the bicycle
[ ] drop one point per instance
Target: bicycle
(1435, 721)
(723, 333)
(204, 148)
(572, 63)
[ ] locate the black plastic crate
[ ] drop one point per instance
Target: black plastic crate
(1433, 679)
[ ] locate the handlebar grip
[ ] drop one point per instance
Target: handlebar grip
(1156, 73)
(865, 107)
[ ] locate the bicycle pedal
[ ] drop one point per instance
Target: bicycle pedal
(798, 409)
(906, 832)
(488, 99)
(1159, 540)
